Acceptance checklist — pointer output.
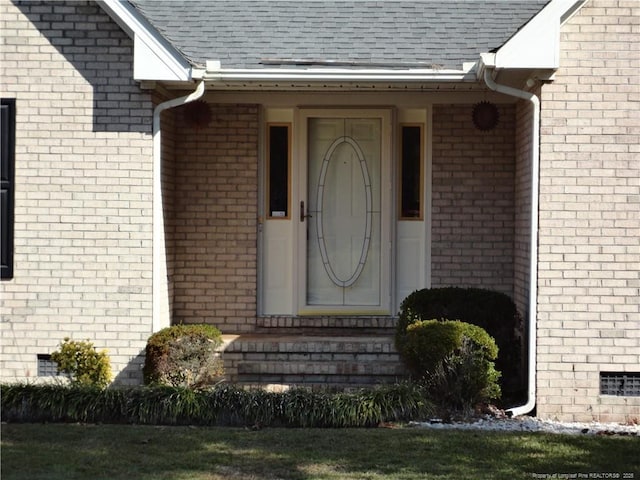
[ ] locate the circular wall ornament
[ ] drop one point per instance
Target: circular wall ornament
(485, 116)
(197, 114)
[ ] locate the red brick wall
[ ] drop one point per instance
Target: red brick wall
(522, 255)
(473, 200)
(215, 219)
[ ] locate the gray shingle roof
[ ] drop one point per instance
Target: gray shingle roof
(259, 33)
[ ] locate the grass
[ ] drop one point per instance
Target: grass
(82, 451)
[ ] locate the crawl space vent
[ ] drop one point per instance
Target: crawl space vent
(620, 384)
(46, 366)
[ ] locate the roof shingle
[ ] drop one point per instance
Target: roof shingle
(259, 33)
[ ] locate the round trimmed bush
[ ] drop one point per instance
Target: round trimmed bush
(456, 359)
(427, 342)
(493, 311)
(184, 356)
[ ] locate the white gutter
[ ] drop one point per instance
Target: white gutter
(214, 72)
(160, 309)
(533, 245)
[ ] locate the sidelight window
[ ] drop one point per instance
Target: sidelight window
(411, 175)
(278, 170)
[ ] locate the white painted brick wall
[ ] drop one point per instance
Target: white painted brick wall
(589, 275)
(83, 187)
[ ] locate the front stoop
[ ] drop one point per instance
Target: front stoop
(317, 354)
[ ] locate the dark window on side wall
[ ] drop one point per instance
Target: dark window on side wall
(411, 172)
(7, 163)
(278, 151)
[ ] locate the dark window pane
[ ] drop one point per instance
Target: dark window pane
(278, 202)
(411, 157)
(7, 161)
(5, 240)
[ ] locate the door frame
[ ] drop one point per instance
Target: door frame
(387, 204)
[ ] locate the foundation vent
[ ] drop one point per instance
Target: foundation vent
(621, 384)
(46, 366)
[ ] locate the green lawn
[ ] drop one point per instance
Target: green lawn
(67, 452)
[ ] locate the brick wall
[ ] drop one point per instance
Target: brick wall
(169, 132)
(215, 223)
(473, 200)
(83, 187)
(589, 280)
(522, 207)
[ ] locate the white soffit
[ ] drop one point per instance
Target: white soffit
(537, 44)
(154, 58)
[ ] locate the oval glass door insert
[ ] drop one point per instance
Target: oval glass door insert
(353, 227)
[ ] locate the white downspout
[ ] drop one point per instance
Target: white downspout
(160, 290)
(533, 245)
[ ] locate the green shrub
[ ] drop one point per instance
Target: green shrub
(493, 311)
(463, 379)
(83, 363)
(455, 358)
(427, 342)
(184, 356)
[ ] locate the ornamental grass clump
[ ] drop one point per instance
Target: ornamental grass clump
(83, 363)
(185, 356)
(222, 405)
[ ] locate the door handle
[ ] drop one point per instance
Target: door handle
(302, 214)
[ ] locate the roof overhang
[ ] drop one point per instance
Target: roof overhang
(154, 58)
(533, 52)
(537, 44)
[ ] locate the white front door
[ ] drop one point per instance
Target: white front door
(344, 214)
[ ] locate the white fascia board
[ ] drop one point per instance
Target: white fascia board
(153, 57)
(149, 64)
(537, 44)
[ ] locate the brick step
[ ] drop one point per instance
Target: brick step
(359, 324)
(340, 368)
(333, 361)
(306, 343)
